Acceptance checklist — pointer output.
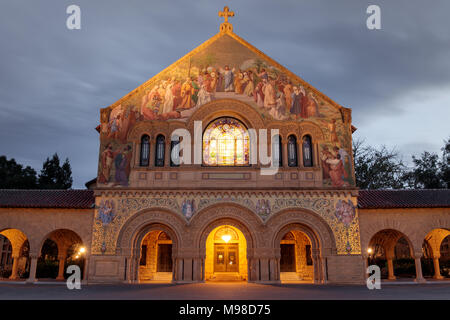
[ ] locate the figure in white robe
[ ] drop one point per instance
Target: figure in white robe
(203, 96)
(168, 99)
(269, 95)
(228, 78)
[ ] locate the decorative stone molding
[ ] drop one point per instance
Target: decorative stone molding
(230, 107)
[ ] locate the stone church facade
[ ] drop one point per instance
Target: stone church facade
(183, 192)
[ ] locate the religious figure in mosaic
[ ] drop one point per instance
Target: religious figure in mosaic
(345, 211)
(106, 212)
(188, 208)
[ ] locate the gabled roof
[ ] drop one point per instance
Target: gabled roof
(222, 34)
(425, 198)
(74, 199)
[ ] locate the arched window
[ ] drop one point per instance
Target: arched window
(226, 143)
(175, 152)
(277, 151)
(307, 151)
(160, 151)
(145, 151)
(292, 151)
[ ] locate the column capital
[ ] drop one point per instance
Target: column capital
(390, 256)
(418, 255)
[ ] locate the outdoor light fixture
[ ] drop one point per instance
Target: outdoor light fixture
(226, 238)
(227, 235)
(82, 250)
(369, 250)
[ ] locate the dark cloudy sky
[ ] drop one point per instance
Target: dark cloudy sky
(53, 81)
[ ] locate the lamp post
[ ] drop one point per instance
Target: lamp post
(370, 252)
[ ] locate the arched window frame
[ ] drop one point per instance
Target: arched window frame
(160, 150)
(292, 151)
(307, 152)
(144, 155)
(208, 138)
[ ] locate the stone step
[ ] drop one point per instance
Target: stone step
(162, 276)
(226, 276)
(289, 276)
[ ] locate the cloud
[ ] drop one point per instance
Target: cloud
(54, 81)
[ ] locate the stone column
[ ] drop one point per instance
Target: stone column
(167, 154)
(323, 267)
(203, 269)
(86, 270)
(187, 263)
(365, 265)
(390, 265)
(278, 268)
(15, 268)
(273, 269)
(419, 276)
(316, 155)
(437, 271)
(264, 269)
(33, 266)
(254, 269)
(151, 154)
(179, 269)
(316, 269)
(299, 154)
(285, 153)
(197, 272)
(128, 264)
(62, 260)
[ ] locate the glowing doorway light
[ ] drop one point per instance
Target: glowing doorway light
(226, 238)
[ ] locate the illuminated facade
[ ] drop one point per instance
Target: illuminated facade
(182, 193)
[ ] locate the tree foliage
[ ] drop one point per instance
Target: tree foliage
(52, 175)
(383, 168)
(15, 176)
(377, 168)
(445, 164)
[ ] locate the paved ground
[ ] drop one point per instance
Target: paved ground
(244, 291)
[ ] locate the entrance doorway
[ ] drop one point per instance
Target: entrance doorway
(155, 263)
(226, 255)
(296, 263)
(164, 258)
(287, 261)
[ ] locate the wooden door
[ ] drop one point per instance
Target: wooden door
(164, 258)
(226, 258)
(287, 261)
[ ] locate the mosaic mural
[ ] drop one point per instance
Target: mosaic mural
(339, 214)
(221, 68)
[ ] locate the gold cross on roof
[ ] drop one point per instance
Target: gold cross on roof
(226, 13)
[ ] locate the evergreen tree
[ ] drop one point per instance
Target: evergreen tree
(54, 176)
(15, 176)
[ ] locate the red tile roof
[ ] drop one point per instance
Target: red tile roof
(77, 199)
(84, 199)
(420, 198)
